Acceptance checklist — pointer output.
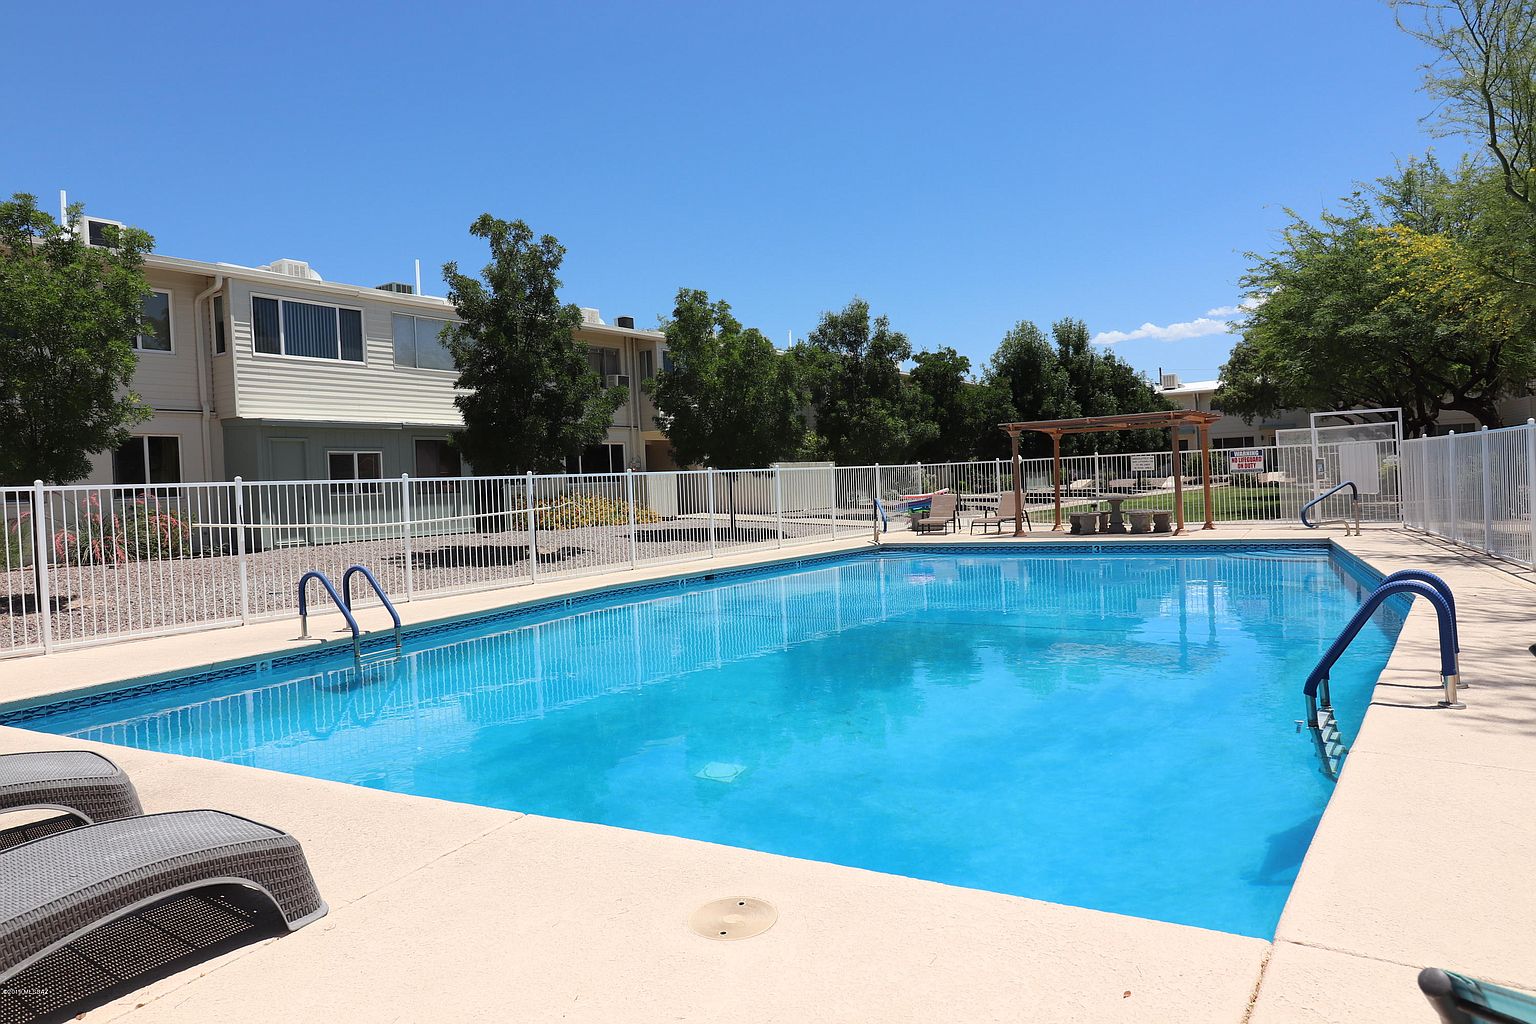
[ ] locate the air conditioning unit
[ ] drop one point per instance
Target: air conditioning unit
(398, 287)
(590, 316)
(92, 230)
(617, 380)
(293, 268)
(1170, 381)
(626, 322)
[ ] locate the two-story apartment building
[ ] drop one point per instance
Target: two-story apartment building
(272, 373)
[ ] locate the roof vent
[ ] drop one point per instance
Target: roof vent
(293, 268)
(626, 322)
(590, 315)
(398, 287)
(1170, 381)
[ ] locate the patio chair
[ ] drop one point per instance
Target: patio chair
(1081, 487)
(93, 913)
(1165, 484)
(1462, 1000)
(85, 787)
(941, 515)
(1007, 503)
(1124, 485)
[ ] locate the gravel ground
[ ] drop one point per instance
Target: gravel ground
(158, 596)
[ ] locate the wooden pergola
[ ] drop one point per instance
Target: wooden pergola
(1173, 421)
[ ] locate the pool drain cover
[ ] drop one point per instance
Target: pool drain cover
(736, 917)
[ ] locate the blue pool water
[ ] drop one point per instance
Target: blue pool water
(1113, 731)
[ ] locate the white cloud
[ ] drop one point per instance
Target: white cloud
(1215, 321)
(1197, 328)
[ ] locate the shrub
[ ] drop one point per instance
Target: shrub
(18, 541)
(156, 531)
(574, 511)
(98, 536)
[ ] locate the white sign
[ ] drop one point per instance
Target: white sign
(1143, 463)
(1245, 460)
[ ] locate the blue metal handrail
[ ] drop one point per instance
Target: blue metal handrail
(1354, 501)
(1317, 680)
(1444, 588)
(885, 520)
(373, 581)
(345, 607)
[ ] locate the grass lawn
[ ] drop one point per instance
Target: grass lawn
(1230, 502)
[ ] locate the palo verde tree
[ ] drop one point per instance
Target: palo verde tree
(730, 399)
(1376, 307)
(69, 313)
(530, 398)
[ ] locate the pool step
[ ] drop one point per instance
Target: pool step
(1330, 744)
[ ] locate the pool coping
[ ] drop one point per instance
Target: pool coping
(1372, 902)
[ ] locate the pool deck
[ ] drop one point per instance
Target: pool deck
(448, 912)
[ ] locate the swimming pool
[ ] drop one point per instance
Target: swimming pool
(1112, 730)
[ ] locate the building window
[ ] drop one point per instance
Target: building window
(1232, 442)
(307, 329)
(157, 317)
(436, 457)
(148, 460)
(419, 343)
(597, 458)
(647, 363)
(666, 362)
(604, 361)
(220, 339)
(354, 466)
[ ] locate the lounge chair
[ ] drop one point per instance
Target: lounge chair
(90, 914)
(1081, 487)
(1462, 1000)
(1165, 484)
(85, 787)
(1124, 485)
(941, 514)
(1278, 479)
(1006, 504)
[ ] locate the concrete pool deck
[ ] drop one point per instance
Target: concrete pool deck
(444, 911)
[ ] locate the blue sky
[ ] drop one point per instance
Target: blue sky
(962, 167)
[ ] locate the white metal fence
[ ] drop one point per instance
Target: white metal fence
(1475, 489)
(122, 562)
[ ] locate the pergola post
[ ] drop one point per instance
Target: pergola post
(1018, 487)
(1056, 476)
(1205, 473)
(1178, 478)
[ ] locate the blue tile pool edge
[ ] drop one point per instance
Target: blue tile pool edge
(19, 712)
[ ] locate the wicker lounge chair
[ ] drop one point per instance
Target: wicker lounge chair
(1006, 504)
(941, 514)
(86, 787)
(90, 914)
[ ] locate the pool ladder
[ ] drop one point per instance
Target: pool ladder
(1320, 721)
(343, 602)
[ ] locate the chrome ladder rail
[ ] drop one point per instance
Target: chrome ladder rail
(343, 602)
(373, 581)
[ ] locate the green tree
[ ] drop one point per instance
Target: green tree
(1360, 313)
(1101, 384)
(529, 397)
(729, 400)
(942, 381)
(69, 313)
(863, 408)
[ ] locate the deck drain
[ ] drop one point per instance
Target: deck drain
(735, 917)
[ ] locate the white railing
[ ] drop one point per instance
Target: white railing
(1475, 489)
(124, 561)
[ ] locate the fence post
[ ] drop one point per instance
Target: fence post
(1453, 511)
(405, 516)
(629, 496)
(40, 551)
(533, 523)
(1487, 492)
(1530, 484)
(1098, 474)
(778, 503)
(240, 553)
(709, 479)
(834, 501)
(878, 503)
